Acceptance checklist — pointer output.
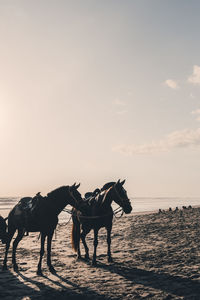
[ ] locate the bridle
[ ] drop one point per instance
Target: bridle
(73, 197)
(122, 200)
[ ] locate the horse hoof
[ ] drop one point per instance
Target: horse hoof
(15, 268)
(52, 270)
(94, 263)
(79, 257)
(4, 268)
(39, 273)
(110, 260)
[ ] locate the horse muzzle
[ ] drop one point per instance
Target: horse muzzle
(127, 209)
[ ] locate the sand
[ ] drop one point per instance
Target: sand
(156, 256)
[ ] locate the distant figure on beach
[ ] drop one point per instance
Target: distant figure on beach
(170, 209)
(184, 207)
(176, 209)
(189, 206)
(160, 211)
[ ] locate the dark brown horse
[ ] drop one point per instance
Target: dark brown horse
(39, 214)
(96, 214)
(3, 227)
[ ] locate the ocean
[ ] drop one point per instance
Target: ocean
(139, 204)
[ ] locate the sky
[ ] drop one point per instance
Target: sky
(99, 90)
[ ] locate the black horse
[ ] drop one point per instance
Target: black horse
(96, 214)
(39, 214)
(3, 227)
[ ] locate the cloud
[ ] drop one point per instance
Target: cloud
(120, 106)
(177, 139)
(121, 112)
(192, 95)
(171, 84)
(197, 113)
(130, 93)
(195, 77)
(119, 102)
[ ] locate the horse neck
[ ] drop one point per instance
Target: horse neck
(56, 209)
(59, 205)
(115, 195)
(107, 198)
(77, 204)
(74, 203)
(71, 200)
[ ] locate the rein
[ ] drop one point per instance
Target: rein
(72, 196)
(118, 195)
(115, 212)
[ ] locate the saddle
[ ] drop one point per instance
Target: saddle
(30, 204)
(93, 198)
(31, 207)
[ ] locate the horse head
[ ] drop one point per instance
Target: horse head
(120, 196)
(3, 232)
(75, 195)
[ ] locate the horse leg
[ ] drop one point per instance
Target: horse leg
(94, 262)
(39, 271)
(83, 235)
(49, 240)
(78, 250)
(15, 243)
(109, 243)
(10, 235)
(78, 243)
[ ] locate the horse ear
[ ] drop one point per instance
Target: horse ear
(122, 183)
(118, 181)
(74, 184)
(77, 186)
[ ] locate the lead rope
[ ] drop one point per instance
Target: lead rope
(118, 210)
(69, 220)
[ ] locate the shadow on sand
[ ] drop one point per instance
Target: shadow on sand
(11, 287)
(171, 284)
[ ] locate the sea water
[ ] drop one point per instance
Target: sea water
(139, 204)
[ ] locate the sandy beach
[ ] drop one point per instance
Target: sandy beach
(156, 256)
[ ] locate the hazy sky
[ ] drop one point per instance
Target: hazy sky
(96, 90)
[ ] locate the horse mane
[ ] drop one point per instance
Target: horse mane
(107, 185)
(57, 192)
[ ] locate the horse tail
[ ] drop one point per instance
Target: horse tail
(3, 230)
(75, 237)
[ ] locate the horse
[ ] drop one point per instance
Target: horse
(39, 214)
(3, 228)
(97, 214)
